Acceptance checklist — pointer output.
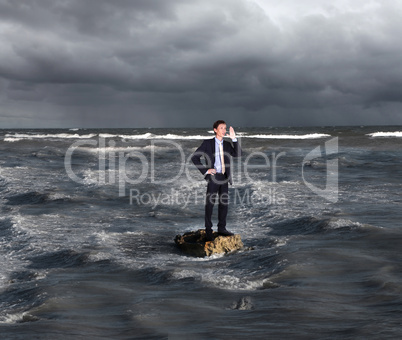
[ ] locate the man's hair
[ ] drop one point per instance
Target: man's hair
(217, 123)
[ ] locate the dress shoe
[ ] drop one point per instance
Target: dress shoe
(225, 232)
(208, 235)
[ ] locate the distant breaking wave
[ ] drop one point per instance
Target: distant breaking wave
(385, 134)
(152, 136)
(18, 136)
(308, 136)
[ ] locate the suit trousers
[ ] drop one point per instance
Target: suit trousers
(218, 187)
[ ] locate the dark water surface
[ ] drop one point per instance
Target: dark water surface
(94, 258)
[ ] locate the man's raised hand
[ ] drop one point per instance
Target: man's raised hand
(232, 133)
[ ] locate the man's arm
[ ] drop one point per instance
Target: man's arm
(235, 151)
(196, 158)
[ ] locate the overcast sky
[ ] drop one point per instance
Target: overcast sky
(184, 63)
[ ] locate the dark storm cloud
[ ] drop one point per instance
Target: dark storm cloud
(175, 63)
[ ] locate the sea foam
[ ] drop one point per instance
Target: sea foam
(306, 136)
(149, 136)
(21, 136)
(385, 134)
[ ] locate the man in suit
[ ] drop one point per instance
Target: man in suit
(217, 173)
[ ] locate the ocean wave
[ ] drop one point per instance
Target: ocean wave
(65, 258)
(145, 136)
(231, 282)
(222, 281)
(21, 136)
(309, 225)
(115, 150)
(306, 136)
(348, 224)
(17, 318)
(11, 139)
(343, 223)
(142, 136)
(152, 136)
(385, 134)
(37, 198)
(31, 197)
(5, 227)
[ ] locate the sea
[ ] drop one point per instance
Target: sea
(89, 216)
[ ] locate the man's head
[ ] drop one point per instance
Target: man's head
(220, 128)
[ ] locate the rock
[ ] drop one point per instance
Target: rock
(243, 304)
(193, 243)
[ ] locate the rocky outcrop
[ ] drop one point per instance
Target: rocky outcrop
(194, 243)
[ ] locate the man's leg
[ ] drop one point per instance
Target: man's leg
(223, 206)
(212, 190)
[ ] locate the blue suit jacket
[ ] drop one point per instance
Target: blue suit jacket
(207, 150)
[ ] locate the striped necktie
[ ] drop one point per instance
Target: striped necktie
(222, 160)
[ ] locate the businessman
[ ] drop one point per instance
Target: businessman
(217, 173)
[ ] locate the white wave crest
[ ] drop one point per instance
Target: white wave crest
(307, 136)
(342, 223)
(198, 137)
(222, 280)
(16, 318)
(385, 134)
(168, 136)
(11, 140)
(149, 135)
(20, 136)
(115, 150)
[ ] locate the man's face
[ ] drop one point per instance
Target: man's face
(220, 130)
